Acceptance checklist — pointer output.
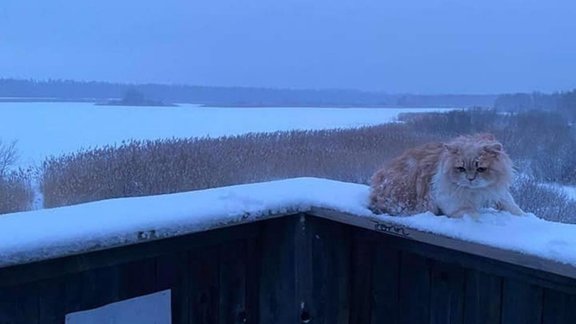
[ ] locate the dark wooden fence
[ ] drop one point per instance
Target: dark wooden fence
(295, 269)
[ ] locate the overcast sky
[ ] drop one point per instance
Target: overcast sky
(418, 46)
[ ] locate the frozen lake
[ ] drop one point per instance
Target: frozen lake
(44, 129)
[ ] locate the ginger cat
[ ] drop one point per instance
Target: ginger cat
(454, 179)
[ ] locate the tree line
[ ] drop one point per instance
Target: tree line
(561, 102)
(66, 90)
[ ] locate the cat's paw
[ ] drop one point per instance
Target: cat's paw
(472, 214)
(516, 211)
(474, 217)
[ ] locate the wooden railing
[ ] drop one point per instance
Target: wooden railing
(321, 266)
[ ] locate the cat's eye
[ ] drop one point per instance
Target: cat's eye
(481, 169)
(460, 169)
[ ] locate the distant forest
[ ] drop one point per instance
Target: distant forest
(561, 102)
(66, 90)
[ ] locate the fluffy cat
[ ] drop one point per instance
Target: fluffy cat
(454, 179)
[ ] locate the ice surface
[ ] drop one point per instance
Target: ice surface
(43, 129)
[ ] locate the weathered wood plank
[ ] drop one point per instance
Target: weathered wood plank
(470, 261)
(521, 303)
(304, 271)
(171, 271)
(204, 280)
(361, 288)
(329, 257)
(253, 268)
(232, 306)
(36, 271)
(138, 278)
(149, 235)
(277, 300)
(447, 293)
(483, 298)
(51, 308)
(559, 308)
(414, 297)
(477, 249)
(91, 289)
(19, 305)
(385, 284)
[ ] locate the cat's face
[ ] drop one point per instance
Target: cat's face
(473, 166)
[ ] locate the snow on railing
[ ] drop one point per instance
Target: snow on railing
(50, 233)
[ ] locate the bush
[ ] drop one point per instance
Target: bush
(541, 143)
(15, 190)
(545, 201)
(456, 122)
(8, 157)
(139, 168)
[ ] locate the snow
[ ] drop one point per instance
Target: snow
(49, 233)
(570, 191)
(148, 309)
(51, 128)
(526, 234)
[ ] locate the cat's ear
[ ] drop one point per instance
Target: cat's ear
(452, 148)
(493, 147)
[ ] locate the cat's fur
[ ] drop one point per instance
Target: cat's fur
(455, 179)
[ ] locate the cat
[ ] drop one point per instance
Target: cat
(456, 178)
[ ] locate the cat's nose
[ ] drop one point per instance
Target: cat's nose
(471, 178)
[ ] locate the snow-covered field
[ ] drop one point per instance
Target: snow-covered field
(44, 129)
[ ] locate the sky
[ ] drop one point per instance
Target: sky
(396, 46)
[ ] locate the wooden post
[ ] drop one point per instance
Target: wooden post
(304, 271)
